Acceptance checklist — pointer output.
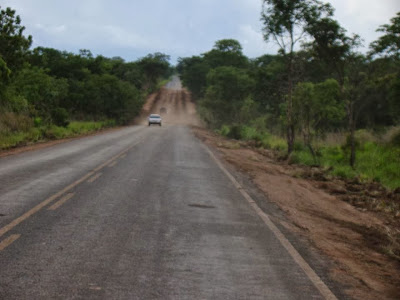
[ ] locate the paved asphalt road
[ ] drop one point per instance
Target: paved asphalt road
(138, 213)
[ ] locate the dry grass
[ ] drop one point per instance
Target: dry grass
(12, 122)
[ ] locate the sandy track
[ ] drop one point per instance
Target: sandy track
(174, 104)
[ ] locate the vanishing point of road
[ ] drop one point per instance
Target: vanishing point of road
(138, 213)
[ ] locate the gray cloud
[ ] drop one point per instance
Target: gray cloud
(132, 29)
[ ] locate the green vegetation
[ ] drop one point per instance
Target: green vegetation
(53, 132)
(378, 160)
(317, 85)
(49, 94)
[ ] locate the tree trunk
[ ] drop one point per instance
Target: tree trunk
(289, 110)
(308, 142)
(352, 128)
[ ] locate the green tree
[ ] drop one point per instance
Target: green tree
(286, 24)
(389, 43)
(338, 50)
(227, 90)
(227, 52)
(43, 92)
(154, 66)
(269, 72)
(106, 96)
(13, 44)
(316, 107)
(193, 72)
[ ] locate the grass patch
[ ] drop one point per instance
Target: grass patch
(380, 163)
(375, 161)
(14, 139)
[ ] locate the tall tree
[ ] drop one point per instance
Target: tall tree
(316, 106)
(154, 66)
(286, 23)
(13, 44)
(338, 50)
(227, 52)
(389, 43)
(227, 90)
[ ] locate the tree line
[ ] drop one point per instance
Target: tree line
(318, 82)
(46, 86)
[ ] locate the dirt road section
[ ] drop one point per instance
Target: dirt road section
(173, 104)
(348, 235)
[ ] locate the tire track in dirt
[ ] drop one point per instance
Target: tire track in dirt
(179, 108)
(183, 101)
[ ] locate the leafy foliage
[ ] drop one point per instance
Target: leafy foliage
(389, 43)
(227, 91)
(287, 23)
(13, 44)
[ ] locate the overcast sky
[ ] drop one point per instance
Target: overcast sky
(133, 28)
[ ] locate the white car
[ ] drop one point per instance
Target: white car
(154, 119)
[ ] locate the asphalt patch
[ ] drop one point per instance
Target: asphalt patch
(201, 206)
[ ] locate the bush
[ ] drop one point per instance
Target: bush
(251, 134)
(55, 132)
(301, 157)
(259, 123)
(60, 117)
(394, 136)
(298, 146)
(224, 130)
(364, 136)
(37, 121)
(12, 122)
(235, 132)
(343, 172)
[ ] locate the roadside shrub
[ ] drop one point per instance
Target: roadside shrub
(11, 140)
(265, 143)
(301, 157)
(60, 117)
(278, 144)
(347, 145)
(224, 130)
(259, 123)
(293, 158)
(235, 132)
(364, 136)
(273, 142)
(343, 171)
(12, 122)
(34, 135)
(394, 136)
(37, 121)
(85, 127)
(55, 132)
(251, 134)
(298, 146)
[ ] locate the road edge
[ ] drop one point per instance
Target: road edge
(308, 270)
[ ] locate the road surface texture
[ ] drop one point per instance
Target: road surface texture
(138, 213)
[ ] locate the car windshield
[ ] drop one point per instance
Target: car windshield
(155, 117)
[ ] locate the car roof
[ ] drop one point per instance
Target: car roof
(154, 115)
